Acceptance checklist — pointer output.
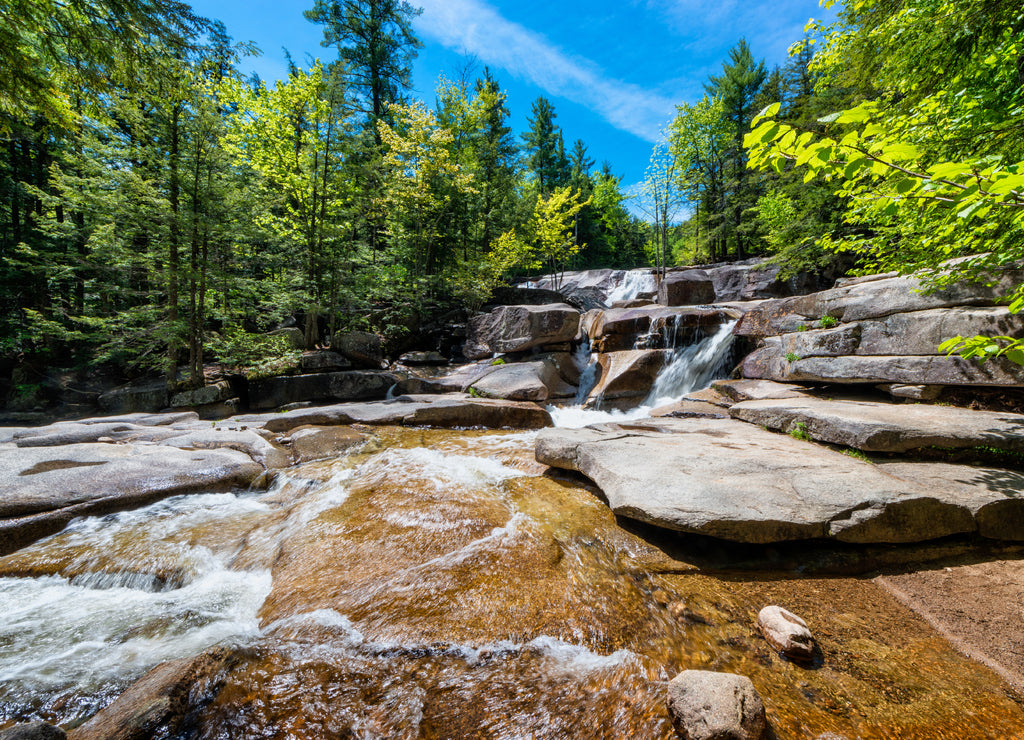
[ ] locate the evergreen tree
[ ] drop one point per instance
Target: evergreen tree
(544, 146)
(738, 86)
(376, 44)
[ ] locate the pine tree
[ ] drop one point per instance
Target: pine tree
(545, 148)
(738, 86)
(376, 44)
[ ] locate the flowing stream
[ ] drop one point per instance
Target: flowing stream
(437, 584)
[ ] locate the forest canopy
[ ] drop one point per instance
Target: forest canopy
(158, 207)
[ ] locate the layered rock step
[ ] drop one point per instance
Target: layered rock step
(732, 480)
(885, 427)
(883, 330)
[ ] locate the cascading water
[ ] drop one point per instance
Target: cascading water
(691, 368)
(634, 283)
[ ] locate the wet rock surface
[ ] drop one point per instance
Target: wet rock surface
(432, 584)
(524, 381)
(33, 731)
(787, 633)
(706, 705)
(737, 482)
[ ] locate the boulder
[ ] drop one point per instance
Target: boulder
(451, 410)
(318, 443)
(585, 298)
(43, 488)
(208, 394)
(706, 705)
(364, 349)
(518, 328)
(354, 385)
(886, 427)
(628, 374)
(161, 702)
(913, 392)
(735, 481)
(786, 633)
(688, 288)
(33, 731)
(323, 361)
(135, 397)
(653, 327)
(604, 281)
(770, 363)
(524, 381)
(458, 380)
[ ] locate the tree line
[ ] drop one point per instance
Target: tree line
(159, 208)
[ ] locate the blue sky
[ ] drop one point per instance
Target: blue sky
(614, 69)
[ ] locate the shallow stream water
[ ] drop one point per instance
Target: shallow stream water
(437, 584)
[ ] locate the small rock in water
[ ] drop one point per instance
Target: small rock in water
(661, 598)
(681, 612)
(787, 633)
(33, 731)
(706, 705)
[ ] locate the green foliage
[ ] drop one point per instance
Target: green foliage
(792, 357)
(799, 431)
(858, 454)
(931, 167)
(828, 322)
(499, 361)
(254, 355)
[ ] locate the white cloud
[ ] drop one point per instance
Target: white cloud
(474, 27)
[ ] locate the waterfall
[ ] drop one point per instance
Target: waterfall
(693, 368)
(634, 282)
(587, 365)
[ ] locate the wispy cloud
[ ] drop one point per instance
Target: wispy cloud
(474, 27)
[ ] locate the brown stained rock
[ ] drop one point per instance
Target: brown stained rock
(706, 705)
(628, 374)
(156, 704)
(787, 633)
(318, 443)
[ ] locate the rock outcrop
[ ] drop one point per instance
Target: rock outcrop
(518, 328)
(355, 385)
(885, 427)
(43, 488)
(735, 481)
(451, 410)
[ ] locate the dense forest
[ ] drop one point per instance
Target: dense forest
(160, 208)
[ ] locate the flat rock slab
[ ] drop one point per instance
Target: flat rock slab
(886, 427)
(770, 363)
(735, 481)
(449, 410)
(43, 488)
(753, 390)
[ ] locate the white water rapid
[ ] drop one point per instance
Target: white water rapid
(692, 368)
(634, 282)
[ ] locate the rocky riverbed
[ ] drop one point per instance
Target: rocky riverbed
(533, 542)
